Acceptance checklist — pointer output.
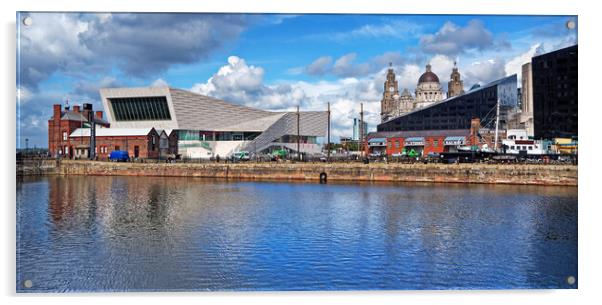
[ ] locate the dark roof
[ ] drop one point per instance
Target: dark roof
(78, 116)
(73, 116)
(427, 77)
(419, 133)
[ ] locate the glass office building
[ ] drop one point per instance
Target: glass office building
(457, 112)
(555, 94)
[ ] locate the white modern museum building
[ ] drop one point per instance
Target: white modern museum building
(206, 127)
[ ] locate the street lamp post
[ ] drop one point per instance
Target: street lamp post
(328, 146)
(298, 135)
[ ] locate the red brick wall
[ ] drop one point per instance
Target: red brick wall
(433, 145)
(56, 127)
(391, 145)
(105, 145)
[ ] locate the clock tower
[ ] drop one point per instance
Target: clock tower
(455, 86)
(390, 101)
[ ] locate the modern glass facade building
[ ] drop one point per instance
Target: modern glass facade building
(555, 94)
(206, 127)
(457, 112)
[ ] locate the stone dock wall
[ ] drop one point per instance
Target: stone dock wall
(37, 167)
(565, 175)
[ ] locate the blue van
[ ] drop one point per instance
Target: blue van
(119, 156)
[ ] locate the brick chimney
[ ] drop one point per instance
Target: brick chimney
(56, 111)
(99, 114)
(475, 126)
(76, 108)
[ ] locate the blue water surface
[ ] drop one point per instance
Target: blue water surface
(174, 234)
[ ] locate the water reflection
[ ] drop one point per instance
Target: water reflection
(145, 233)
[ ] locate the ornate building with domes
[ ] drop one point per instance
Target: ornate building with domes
(428, 90)
(392, 104)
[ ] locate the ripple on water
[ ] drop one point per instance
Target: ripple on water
(147, 234)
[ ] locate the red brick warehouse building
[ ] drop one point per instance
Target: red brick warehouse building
(425, 142)
(64, 121)
(69, 136)
(142, 143)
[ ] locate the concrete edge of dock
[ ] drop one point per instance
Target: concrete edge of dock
(519, 174)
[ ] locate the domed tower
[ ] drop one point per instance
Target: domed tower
(390, 102)
(455, 86)
(428, 90)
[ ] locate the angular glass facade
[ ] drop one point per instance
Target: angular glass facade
(140, 108)
(457, 112)
(555, 94)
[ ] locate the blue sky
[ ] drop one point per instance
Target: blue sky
(270, 61)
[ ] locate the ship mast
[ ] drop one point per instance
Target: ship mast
(497, 123)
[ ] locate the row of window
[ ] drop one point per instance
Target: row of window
(519, 147)
(140, 108)
(398, 143)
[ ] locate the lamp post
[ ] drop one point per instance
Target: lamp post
(328, 145)
(298, 134)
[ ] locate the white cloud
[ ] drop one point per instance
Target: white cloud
(52, 43)
(345, 66)
(482, 72)
(392, 29)
(320, 66)
(24, 95)
(407, 76)
(236, 78)
(452, 39)
(84, 44)
(442, 66)
(514, 65)
(295, 71)
(393, 57)
(90, 89)
(159, 82)
(240, 83)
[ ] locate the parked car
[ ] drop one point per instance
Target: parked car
(241, 156)
(119, 156)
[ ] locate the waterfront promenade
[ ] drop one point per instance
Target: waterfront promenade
(526, 174)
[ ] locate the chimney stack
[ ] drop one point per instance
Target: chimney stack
(76, 108)
(99, 114)
(56, 111)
